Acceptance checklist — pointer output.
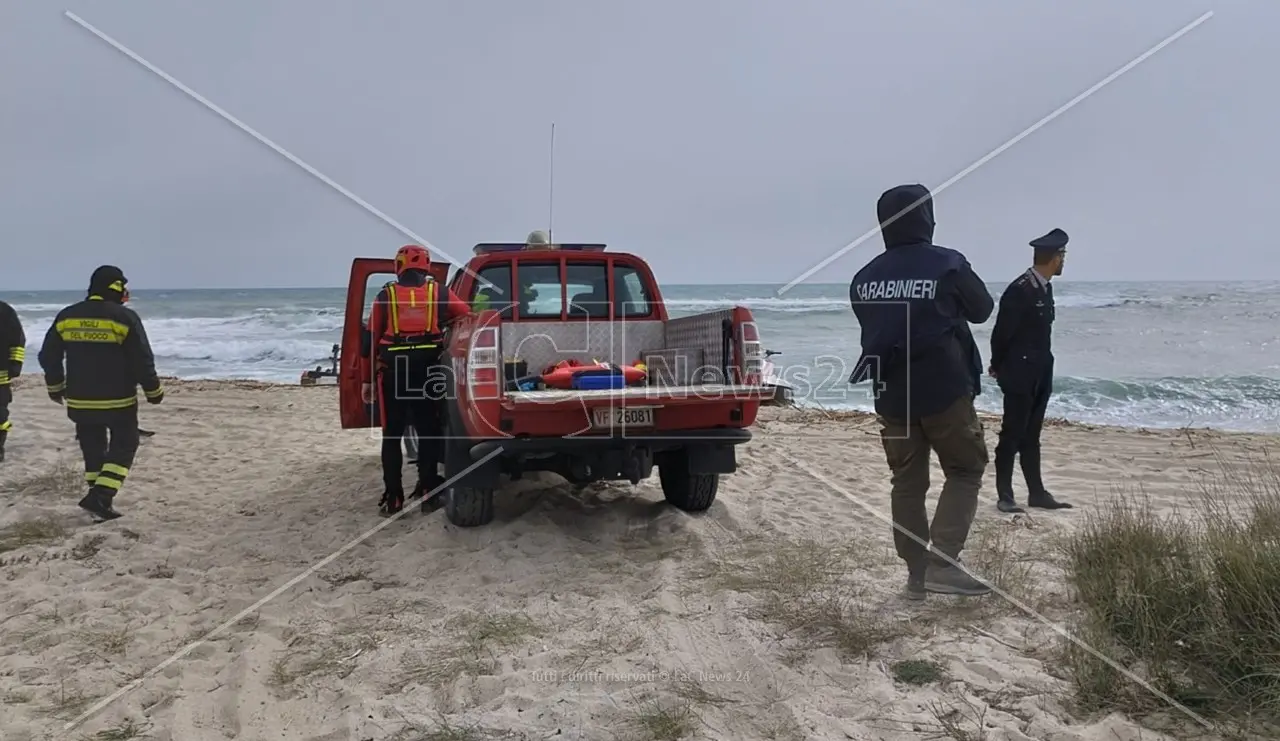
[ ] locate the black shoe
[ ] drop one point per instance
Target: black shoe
(948, 579)
(1004, 485)
(433, 503)
(427, 486)
(915, 590)
(1009, 506)
(392, 502)
(98, 503)
(1045, 500)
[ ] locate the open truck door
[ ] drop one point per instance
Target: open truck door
(352, 410)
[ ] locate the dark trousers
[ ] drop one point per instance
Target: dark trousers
(414, 403)
(1024, 408)
(956, 436)
(108, 442)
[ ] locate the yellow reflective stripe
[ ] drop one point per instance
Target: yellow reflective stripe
(157, 391)
(101, 403)
(56, 388)
(112, 468)
(90, 476)
(117, 286)
(92, 330)
(397, 348)
(393, 317)
(107, 483)
(18, 353)
(6, 425)
(4, 376)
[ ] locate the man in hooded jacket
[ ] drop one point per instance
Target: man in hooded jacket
(914, 302)
(107, 356)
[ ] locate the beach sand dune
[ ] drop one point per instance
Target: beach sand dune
(593, 614)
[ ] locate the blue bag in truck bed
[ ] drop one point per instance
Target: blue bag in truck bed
(597, 380)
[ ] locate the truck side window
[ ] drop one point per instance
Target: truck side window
(587, 286)
(631, 299)
(539, 294)
(483, 298)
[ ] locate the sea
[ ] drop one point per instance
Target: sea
(1156, 355)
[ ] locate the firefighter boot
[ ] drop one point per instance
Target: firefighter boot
(98, 503)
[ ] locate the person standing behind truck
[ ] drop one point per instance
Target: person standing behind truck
(13, 352)
(411, 434)
(913, 302)
(407, 343)
(107, 356)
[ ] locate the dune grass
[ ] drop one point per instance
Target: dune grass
(40, 531)
(60, 480)
(1189, 602)
(803, 587)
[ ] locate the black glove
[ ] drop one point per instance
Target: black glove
(55, 397)
(155, 398)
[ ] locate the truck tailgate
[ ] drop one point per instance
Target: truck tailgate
(640, 395)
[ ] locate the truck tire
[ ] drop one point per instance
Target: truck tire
(467, 506)
(691, 492)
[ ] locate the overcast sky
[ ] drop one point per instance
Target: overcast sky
(726, 141)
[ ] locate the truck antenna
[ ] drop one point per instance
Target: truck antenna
(551, 195)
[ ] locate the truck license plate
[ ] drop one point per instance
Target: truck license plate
(623, 417)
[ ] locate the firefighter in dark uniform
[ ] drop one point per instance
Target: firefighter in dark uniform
(406, 332)
(914, 303)
(1022, 363)
(108, 356)
(13, 352)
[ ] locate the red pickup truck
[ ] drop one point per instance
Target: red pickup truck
(535, 306)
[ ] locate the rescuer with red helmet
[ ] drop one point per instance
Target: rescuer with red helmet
(406, 327)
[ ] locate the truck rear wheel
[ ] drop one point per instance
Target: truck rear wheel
(691, 492)
(467, 506)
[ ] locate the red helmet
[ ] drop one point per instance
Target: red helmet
(412, 257)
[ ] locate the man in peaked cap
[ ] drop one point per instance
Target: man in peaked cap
(1022, 363)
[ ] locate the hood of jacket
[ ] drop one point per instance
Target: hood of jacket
(915, 224)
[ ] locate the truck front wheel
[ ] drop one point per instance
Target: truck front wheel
(467, 506)
(691, 492)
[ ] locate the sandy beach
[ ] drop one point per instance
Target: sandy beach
(598, 614)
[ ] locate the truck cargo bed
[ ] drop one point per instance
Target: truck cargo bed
(638, 393)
